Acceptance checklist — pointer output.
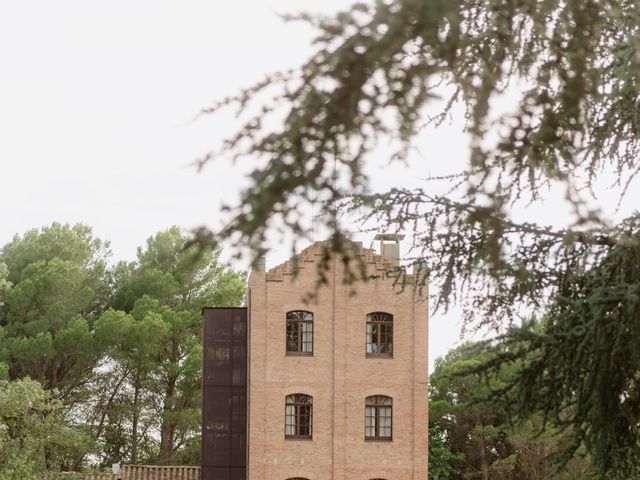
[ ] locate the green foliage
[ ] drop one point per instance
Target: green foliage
(59, 286)
(111, 359)
(383, 70)
(153, 337)
(442, 460)
(34, 436)
(74, 244)
(581, 369)
(180, 278)
(474, 429)
(377, 66)
(473, 436)
(4, 283)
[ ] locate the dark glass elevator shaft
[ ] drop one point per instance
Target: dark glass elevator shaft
(224, 394)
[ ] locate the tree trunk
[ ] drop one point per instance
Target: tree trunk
(105, 410)
(167, 440)
(484, 466)
(134, 426)
(168, 426)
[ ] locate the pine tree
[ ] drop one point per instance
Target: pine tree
(573, 69)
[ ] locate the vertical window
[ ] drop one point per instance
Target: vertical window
(298, 416)
(378, 413)
(380, 334)
(300, 332)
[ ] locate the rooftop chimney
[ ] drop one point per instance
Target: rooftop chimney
(390, 246)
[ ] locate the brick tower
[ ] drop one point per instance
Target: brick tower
(337, 387)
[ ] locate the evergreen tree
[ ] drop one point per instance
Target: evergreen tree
(573, 72)
(60, 285)
(34, 435)
(154, 333)
(474, 437)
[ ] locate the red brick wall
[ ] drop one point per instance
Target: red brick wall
(338, 376)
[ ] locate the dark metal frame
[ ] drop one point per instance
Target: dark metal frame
(298, 326)
(373, 319)
(224, 396)
(377, 408)
(298, 405)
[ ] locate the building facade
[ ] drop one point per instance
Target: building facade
(335, 386)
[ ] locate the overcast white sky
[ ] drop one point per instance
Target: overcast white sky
(96, 100)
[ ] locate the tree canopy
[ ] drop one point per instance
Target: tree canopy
(101, 363)
(155, 330)
(59, 285)
(387, 69)
(471, 436)
(33, 432)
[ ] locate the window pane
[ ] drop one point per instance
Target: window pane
(383, 344)
(305, 420)
(370, 421)
(369, 338)
(300, 315)
(372, 338)
(290, 420)
(379, 317)
(385, 421)
(298, 415)
(292, 337)
(307, 336)
(385, 416)
(304, 429)
(299, 331)
(305, 411)
(378, 413)
(380, 333)
(386, 341)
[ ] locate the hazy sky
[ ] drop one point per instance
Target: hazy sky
(96, 103)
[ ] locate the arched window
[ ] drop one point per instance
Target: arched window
(378, 416)
(379, 334)
(297, 478)
(298, 417)
(299, 333)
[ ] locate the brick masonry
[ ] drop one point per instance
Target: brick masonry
(338, 376)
